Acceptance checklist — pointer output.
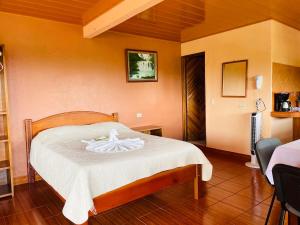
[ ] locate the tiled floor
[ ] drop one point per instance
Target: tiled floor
(236, 195)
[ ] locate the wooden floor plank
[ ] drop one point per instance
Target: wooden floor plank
(236, 195)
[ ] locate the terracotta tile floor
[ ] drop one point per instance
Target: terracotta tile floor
(236, 195)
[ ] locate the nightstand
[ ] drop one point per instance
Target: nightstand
(151, 129)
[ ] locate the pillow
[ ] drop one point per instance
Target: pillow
(80, 132)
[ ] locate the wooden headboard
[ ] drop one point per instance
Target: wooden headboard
(32, 128)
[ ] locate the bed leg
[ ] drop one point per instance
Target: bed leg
(199, 185)
(28, 136)
(196, 188)
(31, 174)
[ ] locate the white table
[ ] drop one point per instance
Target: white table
(288, 154)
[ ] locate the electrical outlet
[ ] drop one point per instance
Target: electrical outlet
(243, 106)
(139, 115)
(213, 101)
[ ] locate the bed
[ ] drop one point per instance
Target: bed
(89, 182)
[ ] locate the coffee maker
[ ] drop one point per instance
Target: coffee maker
(282, 103)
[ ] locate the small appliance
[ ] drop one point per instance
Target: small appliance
(282, 103)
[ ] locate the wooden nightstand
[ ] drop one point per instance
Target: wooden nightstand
(151, 129)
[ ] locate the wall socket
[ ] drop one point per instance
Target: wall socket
(139, 115)
(243, 105)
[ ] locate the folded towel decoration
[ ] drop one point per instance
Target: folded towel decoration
(113, 144)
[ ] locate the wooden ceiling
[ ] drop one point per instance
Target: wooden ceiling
(184, 20)
(176, 20)
(165, 20)
(69, 11)
(223, 15)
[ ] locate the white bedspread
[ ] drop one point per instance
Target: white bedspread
(59, 156)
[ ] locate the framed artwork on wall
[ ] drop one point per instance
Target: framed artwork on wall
(141, 65)
(234, 78)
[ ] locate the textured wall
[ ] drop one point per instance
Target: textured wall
(228, 119)
(285, 50)
(52, 69)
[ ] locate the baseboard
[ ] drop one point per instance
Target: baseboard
(23, 180)
(238, 156)
(20, 180)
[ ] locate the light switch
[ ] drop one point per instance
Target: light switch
(213, 101)
(139, 115)
(243, 105)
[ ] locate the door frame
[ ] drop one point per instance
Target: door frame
(184, 95)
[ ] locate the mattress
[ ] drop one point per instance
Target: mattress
(60, 158)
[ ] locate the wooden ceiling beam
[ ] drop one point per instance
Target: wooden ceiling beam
(99, 8)
(119, 13)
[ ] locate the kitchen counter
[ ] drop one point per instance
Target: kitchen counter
(285, 114)
(296, 121)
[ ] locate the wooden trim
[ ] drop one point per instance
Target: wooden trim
(146, 186)
(99, 8)
(146, 128)
(20, 180)
(6, 126)
(116, 15)
(28, 139)
(151, 129)
(285, 114)
(246, 79)
(235, 155)
(199, 185)
(184, 100)
(127, 65)
(71, 118)
(24, 179)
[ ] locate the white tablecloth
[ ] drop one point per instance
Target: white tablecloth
(288, 154)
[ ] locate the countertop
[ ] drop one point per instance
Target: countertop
(286, 114)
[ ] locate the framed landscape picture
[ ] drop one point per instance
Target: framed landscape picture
(141, 65)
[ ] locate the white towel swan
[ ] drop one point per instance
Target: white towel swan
(113, 144)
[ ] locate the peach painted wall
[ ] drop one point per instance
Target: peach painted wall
(52, 69)
(285, 50)
(228, 119)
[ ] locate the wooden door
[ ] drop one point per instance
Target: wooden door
(194, 97)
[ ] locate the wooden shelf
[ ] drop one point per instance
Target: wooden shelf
(4, 165)
(151, 129)
(296, 121)
(7, 185)
(285, 114)
(5, 191)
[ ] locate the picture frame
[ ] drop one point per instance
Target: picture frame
(141, 65)
(234, 79)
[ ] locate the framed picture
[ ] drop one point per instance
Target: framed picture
(141, 65)
(234, 78)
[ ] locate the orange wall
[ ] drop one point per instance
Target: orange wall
(285, 50)
(52, 69)
(228, 119)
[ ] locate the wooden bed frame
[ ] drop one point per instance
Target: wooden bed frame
(127, 193)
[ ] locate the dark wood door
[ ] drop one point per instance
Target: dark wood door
(194, 97)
